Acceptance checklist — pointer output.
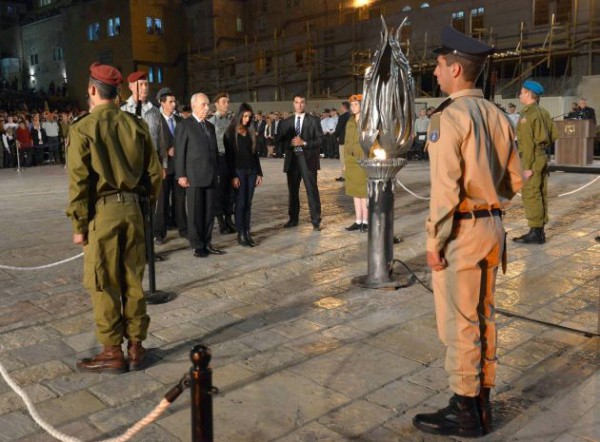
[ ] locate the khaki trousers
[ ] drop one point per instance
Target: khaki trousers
(464, 303)
(114, 261)
(535, 192)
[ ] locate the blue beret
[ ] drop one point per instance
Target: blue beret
(457, 43)
(534, 87)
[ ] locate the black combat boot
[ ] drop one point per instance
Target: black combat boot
(536, 235)
(230, 224)
(222, 225)
(460, 418)
(485, 410)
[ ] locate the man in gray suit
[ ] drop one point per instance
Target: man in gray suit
(196, 169)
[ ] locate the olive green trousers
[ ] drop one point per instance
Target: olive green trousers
(535, 193)
(114, 262)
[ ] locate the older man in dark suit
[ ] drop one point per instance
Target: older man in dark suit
(301, 136)
(196, 169)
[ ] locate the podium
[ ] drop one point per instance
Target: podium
(575, 143)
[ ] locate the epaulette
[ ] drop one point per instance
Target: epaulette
(444, 104)
(78, 118)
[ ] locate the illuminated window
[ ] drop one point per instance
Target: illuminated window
(477, 20)
(57, 54)
(541, 12)
(93, 31)
(114, 26)
(239, 25)
(154, 26)
(458, 21)
(150, 75)
(155, 74)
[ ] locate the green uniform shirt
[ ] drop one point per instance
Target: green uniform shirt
(109, 151)
(535, 131)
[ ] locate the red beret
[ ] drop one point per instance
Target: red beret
(106, 74)
(137, 75)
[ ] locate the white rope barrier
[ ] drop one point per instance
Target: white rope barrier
(518, 193)
(410, 191)
(47, 266)
(581, 188)
(147, 420)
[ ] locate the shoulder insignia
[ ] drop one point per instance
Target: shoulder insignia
(447, 102)
(434, 135)
(79, 118)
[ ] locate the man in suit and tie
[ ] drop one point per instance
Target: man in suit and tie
(172, 195)
(196, 169)
(301, 136)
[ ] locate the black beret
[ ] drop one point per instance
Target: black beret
(461, 45)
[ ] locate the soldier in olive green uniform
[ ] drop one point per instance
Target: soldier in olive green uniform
(535, 133)
(112, 164)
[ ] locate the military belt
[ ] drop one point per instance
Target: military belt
(478, 214)
(120, 197)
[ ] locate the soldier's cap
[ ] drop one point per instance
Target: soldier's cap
(164, 91)
(456, 43)
(106, 74)
(534, 87)
(137, 75)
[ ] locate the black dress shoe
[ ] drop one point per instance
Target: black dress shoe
(353, 227)
(200, 253)
(214, 251)
(597, 238)
(317, 226)
(460, 418)
(159, 241)
(364, 227)
(289, 224)
(229, 224)
(250, 239)
(397, 240)
(242, 241)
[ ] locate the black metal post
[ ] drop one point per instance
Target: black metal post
(153, 296)
(202, 391)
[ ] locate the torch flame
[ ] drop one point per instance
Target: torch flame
(379, 153)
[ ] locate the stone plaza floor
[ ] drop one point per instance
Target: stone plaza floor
(299, 353)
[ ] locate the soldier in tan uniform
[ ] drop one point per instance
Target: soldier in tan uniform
(535, 132)
(475, 171)
(111, 164)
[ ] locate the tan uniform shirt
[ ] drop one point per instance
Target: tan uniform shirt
(109, 151)
(474, 162)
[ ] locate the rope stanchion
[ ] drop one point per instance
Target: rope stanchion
(47, 266)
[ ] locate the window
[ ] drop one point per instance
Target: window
(477, 20)
(57, 54)
(114, 26)
(239, 24)
(262, 23)
(458, 21)
(42, 3)
(93, 31)
(155, 74)
(541, 12)
(563, 11)
(154, 26)
(299, 57)
(33, 59)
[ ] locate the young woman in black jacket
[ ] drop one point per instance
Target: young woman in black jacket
(244, 167)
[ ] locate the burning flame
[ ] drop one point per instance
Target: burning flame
(379, 153)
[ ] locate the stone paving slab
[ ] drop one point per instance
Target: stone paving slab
(299, 353)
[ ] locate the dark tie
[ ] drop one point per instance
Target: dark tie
(298, 126)
(203, 127)
(171, 125)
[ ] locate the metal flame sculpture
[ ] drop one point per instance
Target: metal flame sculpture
(387, 121)
(387, 113)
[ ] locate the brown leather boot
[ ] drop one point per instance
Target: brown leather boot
(135, 355)
(485, 410)
(111, 360)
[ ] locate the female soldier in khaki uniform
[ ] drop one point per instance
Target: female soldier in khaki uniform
(356, 176)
